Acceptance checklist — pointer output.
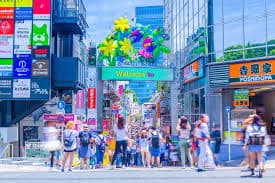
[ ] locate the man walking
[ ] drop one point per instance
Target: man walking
(155, 146)
(85, 148)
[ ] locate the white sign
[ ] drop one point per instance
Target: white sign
(22, 42)
(21, 88)
(6, 46)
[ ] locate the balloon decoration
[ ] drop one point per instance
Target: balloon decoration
(127, 44)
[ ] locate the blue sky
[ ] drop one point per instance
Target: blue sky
(102, 13)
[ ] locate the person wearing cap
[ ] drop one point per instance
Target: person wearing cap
(85, 138)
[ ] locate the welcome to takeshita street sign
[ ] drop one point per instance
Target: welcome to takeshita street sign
(121, 45)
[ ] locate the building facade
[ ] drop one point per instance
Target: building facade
(225, 51)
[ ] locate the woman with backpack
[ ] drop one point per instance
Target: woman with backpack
(254, 141)
(184, 130)
(144, 148)
(70, 144)
(100, 148)
(85, 147)
(121, 136)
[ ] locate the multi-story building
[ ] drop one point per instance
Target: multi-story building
(224, 51)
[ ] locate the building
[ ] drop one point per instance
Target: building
(153, 16)
(224, 53)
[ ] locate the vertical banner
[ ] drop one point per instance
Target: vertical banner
(120, 90)
(91, 98)
(79, 103)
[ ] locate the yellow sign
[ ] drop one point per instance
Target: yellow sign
(7, 3)
(159, 86)
(23, 3)
(259, 72)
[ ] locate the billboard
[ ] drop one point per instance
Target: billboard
(23, 3)
(22, 68)
(40, 89)
(6, 27)
(6, 13)
(22, 44)
(6, 46)
(23, 13)
(137, 74)
(6, 66)
(91, 98)
(5, 88)
(193, 71)
(41, 9)
(41, 33)
(40, 67)
(21, 88)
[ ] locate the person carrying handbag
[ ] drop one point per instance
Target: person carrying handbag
(184, 130)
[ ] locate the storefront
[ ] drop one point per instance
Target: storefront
(245, 87)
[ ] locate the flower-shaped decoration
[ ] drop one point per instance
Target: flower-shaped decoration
(122, 24)
(108, 47)
(126, 46)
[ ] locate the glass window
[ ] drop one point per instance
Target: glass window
(196, 23)
(233, 9)
(201, 3)
(202, 100)
(252, 27)
(216, 57)
(233, 35)
(191, 26)
(186, 33)
(217, 11)
(190, 9)
(271, 30)
(202, 18)
(271, 50)
(196, 6)
(270, 5)
(254, 7)
(186, 13)
(195, 104)
(233, 55)
(255, 52)
(218, 38)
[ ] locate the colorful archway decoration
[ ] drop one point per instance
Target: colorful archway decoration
(128, 44)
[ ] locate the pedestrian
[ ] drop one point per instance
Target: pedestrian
(206, 155)
(85, 147)
(216, 141)
(70, 144)
(100, 148)
(184, 131)
(121, 135)
(144, 148)
(155, 139)
(93, 154)
(254, 142)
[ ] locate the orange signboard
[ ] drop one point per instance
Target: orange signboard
(258, 72)
(191, 72)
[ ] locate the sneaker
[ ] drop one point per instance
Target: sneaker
(260, 173)
(183, 167)
(62, 170)
(112, 167)
(123, 167)
(70, 170)
(200, 170)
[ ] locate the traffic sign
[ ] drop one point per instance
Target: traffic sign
(61, 104)
(227, 108)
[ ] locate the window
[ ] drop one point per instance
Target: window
(216, 57)
(190, 9)
(217, 11)
(218, 38)
(271, 35)
(196, 6)
(270, 6)
(233, 9)
(255, 52)
(252, 27)
(202, 100)
(254, 8)
(186, 13)
(233, 35)
(233, 55)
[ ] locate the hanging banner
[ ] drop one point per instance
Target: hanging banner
(91, 98)
(40, 67)
(21, 88)
(5, 88)
(41, 33)
(22, 44)
(40, 89)
(6, 13)
(6, 46)
(41, 9)
(22, 68)
(6, 27)
(23, 13)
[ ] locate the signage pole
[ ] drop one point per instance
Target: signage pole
(229, 135)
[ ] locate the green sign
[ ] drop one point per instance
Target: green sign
(242, 94)
(136, 74)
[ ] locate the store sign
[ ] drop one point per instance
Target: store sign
(41, 33)
(40, 89)
(21, 88)
(23, 3)
(6, 27)
(5, 88)
(55, 117)
(193, 71)
(23, 13)
(7, 3)
(41, 9)
(252, 72)
(22, 44)
(6, 46)
(91, 98)
(41, 52)
(6, 13)
(241, 98)
(40, 67)
(6, 67)
(137, 74)
(22, 68)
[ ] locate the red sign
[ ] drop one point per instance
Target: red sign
(91, 98)
(6, 26)
(42, 7)
(6, 13)
(105, 124)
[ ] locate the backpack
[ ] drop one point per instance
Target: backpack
(84, 139)
(68, 142)
(102, 144)
(155, 140)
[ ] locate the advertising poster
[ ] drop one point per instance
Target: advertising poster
(91, 98)
(41, 33)
(6, 13)
(21, 88)
(23, 3)
(6, 67)
(40, 89)
(5, 88)
(91, 77)
(6, 27)
(40, 67)
(22, 68)
(92, 115)
(22, 44)
(7, 3)
(23, 13)
(79, 100)
(6, 46)
(41, 9)
(41, 52)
